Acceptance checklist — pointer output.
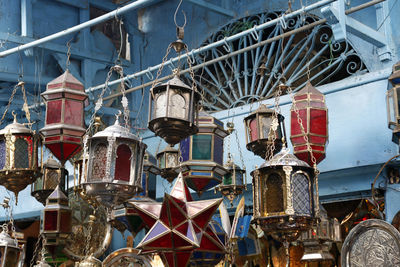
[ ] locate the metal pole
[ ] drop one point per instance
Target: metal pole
(136, 4)
(221, 42)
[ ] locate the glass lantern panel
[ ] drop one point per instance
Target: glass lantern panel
(65, 222)
(218, 149)
(151, 186)
(172, 160)
(295, 127)
(239, 178)
(253, 134)
(21, 154)
(161, 161)
(99, 163)
(318, 122)
(178, 107)
(228, 178)
(184, 147)
(1, 255)
(2, 154)
(38, 184)
(123, 163)
(201, 147)
(52, 177)
(273, 196)
(53, 111)
(160, 105)
(12, 257)
(73, 112)
(301, 194)
(50, 220)
(265, 125)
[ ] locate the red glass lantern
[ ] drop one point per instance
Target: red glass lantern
(64, 125)
(312, 110)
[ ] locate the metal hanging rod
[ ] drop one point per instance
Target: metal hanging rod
(136, 4)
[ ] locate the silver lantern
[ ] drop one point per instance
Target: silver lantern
(10, 252)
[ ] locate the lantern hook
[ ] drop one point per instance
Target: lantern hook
(184, 15)
(117, 117)
(14, 115)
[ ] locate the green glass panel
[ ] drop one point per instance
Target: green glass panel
(201, 147)
(162, 161)
(228, 178)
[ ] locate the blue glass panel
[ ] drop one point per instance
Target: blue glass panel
(201, 147)
(2, 154)
(184, 147)
(218, 149)
(151, 186)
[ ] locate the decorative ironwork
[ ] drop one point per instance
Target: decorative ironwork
(255, 74)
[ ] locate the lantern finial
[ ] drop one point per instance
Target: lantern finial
(15, 116)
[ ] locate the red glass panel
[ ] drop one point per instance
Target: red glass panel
(63, 151)
(65, 222)
(53, 111)
(179, 242)
(300, 97)
(253, 130)
(162, 242)
(73, 112)
(203, 218)
(183, 258)
(123, 163)
(170, 258)
(50, 220)
(52, 138)
(176, 214)
(53, 96)
(318, 122)
(72, 139)
(208, 244)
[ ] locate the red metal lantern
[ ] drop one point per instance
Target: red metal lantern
(309, 105)
(64, 125)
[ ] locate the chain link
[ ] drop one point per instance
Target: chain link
(160, 69)
(124, 100)
(68, 54)
(89, 235)
(274, 124)
(35, 252)
(25, 107)
(191, 72)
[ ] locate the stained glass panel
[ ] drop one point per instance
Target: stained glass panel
(201, 147)
(99, 163)
(53, 114)
(73, 112)
(21, 155)
(218, 149)
(274, 193)
(123, 163)
(184, 147)
(301, 194)
(253, 134)
(2, 154)
(50, 220)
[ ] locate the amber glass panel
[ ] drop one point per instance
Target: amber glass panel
(73, 112)
(54, 111)
(12, 257)
(123, 163)
(99, 163)
(65, 223)
(50, 220)
(253, 130)
(274, 193)
(201, 147)
(21, 154)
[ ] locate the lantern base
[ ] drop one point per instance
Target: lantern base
(260, 147)
(172, 130)
(110, 194)
(302, 153)
(317, 253)
(169, 174)
(17, 180)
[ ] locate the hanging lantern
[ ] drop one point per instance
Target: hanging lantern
(18, 157)
(233, 182)
(202, 154)
(167, 162)
(173, 110)
(115, 166)
(53, 174)
(64, 125)
(283, 196)
(392, 98)
(318, 240)
(56, 221)
(10, 252)
(309, 105)
(260, 134)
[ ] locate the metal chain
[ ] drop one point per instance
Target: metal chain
(89, 236)
(160, 69)
(191, 72)
(25, 107)
(274, 124)
(68, 54)
(124, 100)
(36, 250)
(9, 103)
(241, 158)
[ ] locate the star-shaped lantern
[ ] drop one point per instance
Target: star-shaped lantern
(179, 225)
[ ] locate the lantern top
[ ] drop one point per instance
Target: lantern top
(262, 109)
(15, 128)
(7, 241)
(57, 197)
(230, 165)
(174, 82)
(66, 80)
(52, 163)
(284, 158)
(208, 122)
(116, 131)
(395, 77)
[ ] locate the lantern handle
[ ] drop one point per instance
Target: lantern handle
(184, 15)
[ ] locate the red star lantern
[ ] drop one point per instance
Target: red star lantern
(178, 225)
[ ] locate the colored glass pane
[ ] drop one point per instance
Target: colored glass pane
(274, 193)
(99, 163)
(53, 114)
(318, 122)
(266, 131)
(2, 154)
(239, 178)
(295, 128)
(158, 229)
(65, 221)
(184, 147)
(218, 149)
(201, 147)
(21, 154)
(73, 112)
(301, 194)
(228, 178)
(50, 220)
(52, 177)
(12, 257)
(161, 161)
(123, 163)
(253, 130)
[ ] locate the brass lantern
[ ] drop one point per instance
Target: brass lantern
(167, 162)
(318, 240)
(56, 221)
(392, 98)
(64, 124)
(260, 134)
(283, 196)
(173, 110)
(18, 157)
(233, 183)
(10, 252)
(115, 166)
(202, 154)
(53, 174)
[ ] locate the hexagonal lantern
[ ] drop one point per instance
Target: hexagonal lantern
(283, 196)
(233, 182)
(18, 157)
(202, 155)
(53, 174)
(115, 166)
(167, 162)
(64, 124)
(393, 102)
(10, 252)
(312, 110)
(56, 221)
(173, 110)
(260, 134)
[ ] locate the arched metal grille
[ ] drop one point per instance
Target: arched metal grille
(254, 75)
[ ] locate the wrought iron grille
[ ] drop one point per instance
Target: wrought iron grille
(255, 74)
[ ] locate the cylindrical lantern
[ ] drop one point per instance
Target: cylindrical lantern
(260, 133)
(392, 97)
(202, 154)
(233, 182)
(167, 162)
(56, 221)
(64, 124)
(173, 110)
(309, 106)
(18, 157)
(10, 252)
(53, 174)
(115, 166)
(283, 196)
